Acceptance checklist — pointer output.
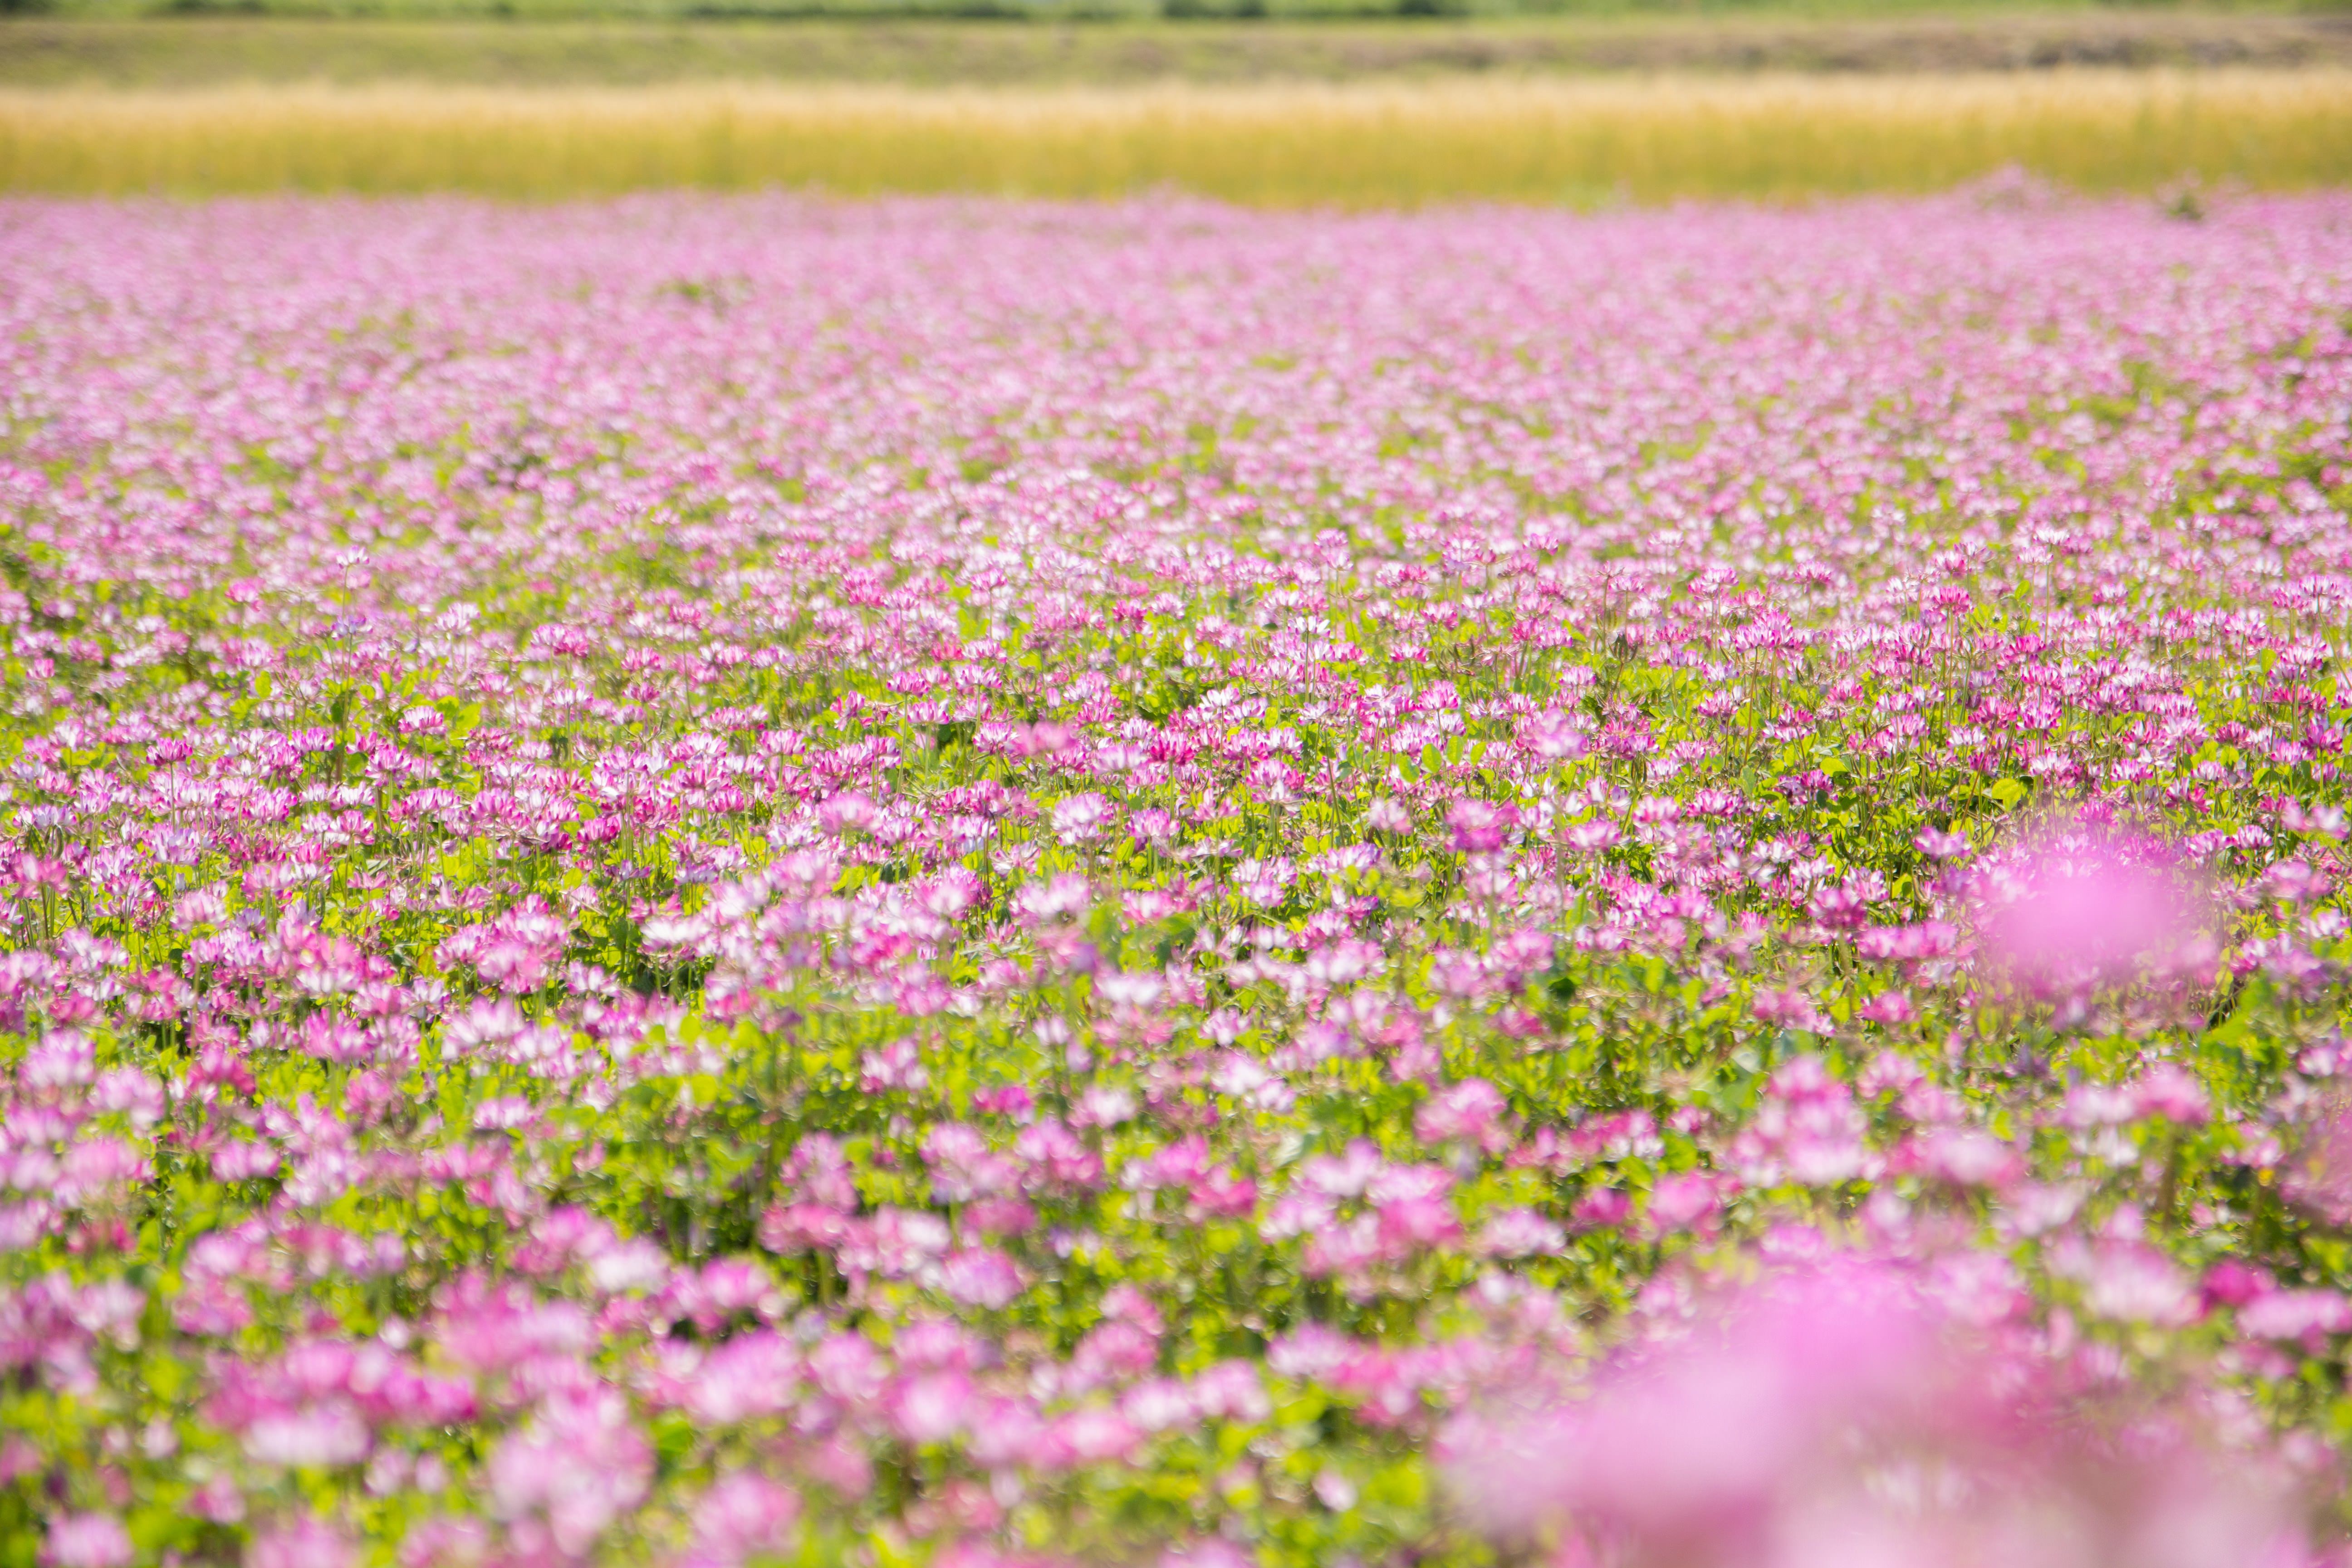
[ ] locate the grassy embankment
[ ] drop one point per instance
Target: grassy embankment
(1773, 98)
(1644, 139)
(616, 50)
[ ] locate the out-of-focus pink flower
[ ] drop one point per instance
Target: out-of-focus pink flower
(2309, 1315)
(1421, 1220)
(1089, 1437)
(1595, 834)
(1207, 1554)
(1844, 1416)
(315, 1437)
(1970, 1159)
(1601, 1207)
(1789, 1009)
(1808, 1130)
(1684, 1201)
(1519, 1233)
(2096, 916)
(803, 1228)
(1939, 844)
(2319, 1178)
(1119, 1348)
(1223, 1193)
(1266, 882)
(85, 1540)
(1078, 818)
(217, 1500)
(561, 1481)
(740, 1515)
(1472, 1110)
(1480, 826)
(1888, 1007)
(846, 1367)
(302, 1543)
(750, 1376)
(2130, 1283)
(2169, 1090)
(1001, 1216)
(934, 1407)
(1554, 737)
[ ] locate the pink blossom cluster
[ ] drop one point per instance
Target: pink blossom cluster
(1861, 1410)
(740, 881)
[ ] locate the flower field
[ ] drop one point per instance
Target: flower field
(747, 881)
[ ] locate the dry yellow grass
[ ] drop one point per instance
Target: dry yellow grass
(1364, 143)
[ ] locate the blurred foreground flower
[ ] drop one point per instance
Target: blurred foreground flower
(1843, 1419)
(2077, 916)
(2319, 1179)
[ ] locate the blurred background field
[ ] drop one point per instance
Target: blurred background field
(634, 41)
(1322, 100)
(1640, 139)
